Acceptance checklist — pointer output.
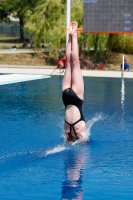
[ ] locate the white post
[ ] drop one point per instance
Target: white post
(122, 65)
(68, 17)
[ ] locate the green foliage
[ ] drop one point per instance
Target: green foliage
(95, 43)
(77, 11)
(18, 9)
(45, 21)
(4, 11)
(123, 43)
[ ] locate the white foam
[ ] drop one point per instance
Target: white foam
(96, 118)
(91, 122)
(15, 78)
(55, 150)
(60, 148)
(123, 95)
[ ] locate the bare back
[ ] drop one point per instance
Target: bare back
(72, 115)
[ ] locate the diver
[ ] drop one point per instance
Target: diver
(73, 90)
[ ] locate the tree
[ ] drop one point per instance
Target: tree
(47, 22)
(18, 8)
(3, 11)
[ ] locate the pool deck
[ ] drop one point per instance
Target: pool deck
(51, 70)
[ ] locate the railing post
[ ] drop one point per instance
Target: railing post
(123, 66)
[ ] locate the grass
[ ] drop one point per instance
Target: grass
(32, 59)
(8, 42)
(22, 59)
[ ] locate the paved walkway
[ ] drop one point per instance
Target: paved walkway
(51, 70)
(11, 51)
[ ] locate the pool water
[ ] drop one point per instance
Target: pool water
(36, 163)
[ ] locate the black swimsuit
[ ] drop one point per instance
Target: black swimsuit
(70, 98)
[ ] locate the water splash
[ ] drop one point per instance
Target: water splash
(89, 125)
(91, 122)
(55, 150)
(31, 155)
(123, 95)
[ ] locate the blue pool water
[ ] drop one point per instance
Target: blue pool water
(35, 162)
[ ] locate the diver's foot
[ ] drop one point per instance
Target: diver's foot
(70, 29)
(73, 28)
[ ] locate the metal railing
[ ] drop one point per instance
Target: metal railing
(10, 29)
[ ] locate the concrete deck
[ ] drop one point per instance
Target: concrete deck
(51, 70)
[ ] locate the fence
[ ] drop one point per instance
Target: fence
(10, 29)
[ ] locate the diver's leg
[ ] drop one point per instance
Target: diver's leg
(66, 83)
(77, 78)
